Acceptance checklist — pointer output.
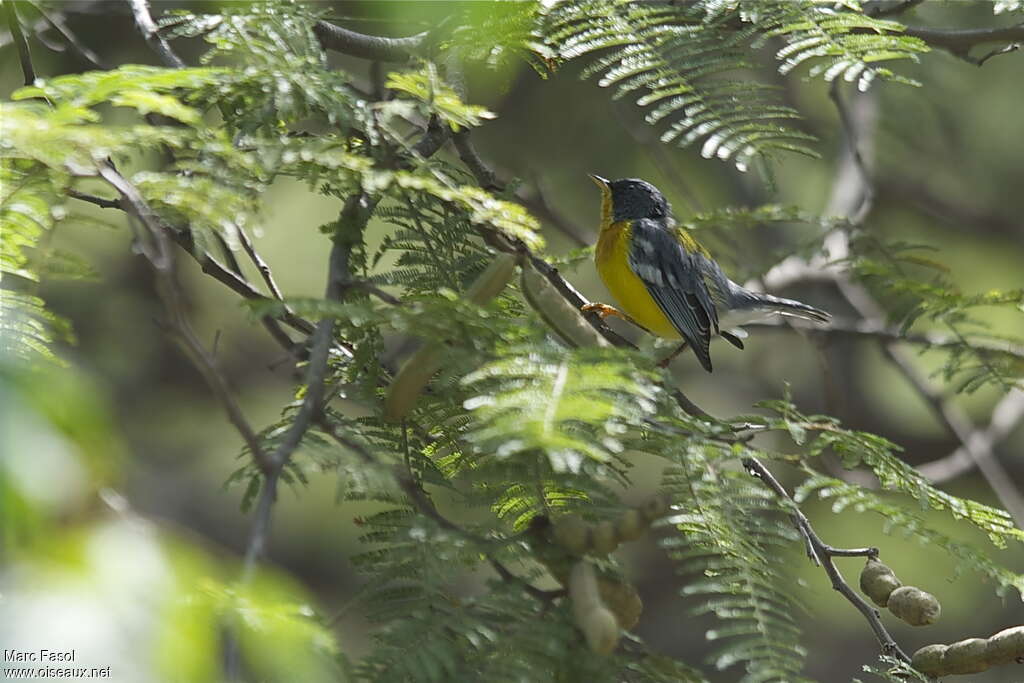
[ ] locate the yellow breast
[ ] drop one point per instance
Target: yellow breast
(611, 258)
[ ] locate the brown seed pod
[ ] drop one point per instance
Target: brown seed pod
(1006, 646)
(914, 606)
(656, 507)
(966, 657)
(572, 533)
(928, 660)
(877, 581)
(416, 372)
(599, 625)
(622, 599)
(604, 538)
(632, 525)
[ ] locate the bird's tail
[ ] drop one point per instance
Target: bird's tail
(795, 308)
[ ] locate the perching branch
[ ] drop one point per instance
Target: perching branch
(822, 554)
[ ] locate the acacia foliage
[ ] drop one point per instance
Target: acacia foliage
(516, 424)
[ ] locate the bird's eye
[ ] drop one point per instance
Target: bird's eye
(657, 211)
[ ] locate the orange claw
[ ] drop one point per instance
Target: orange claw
(603, 310)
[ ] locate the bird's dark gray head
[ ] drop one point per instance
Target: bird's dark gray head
(633, 198)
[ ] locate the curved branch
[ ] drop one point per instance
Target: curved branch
(822, 553)
(380, 48)
(960, 41)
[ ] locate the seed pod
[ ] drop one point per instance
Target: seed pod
(622, 599)
(598, 623)
(420, 367)
(914, 606)
(928, 660)
(655, 508)
(1006, 646)
(877, 581)
(966, 657)
(632, 526)
(572, 533)
(561, 316)
(604, 538)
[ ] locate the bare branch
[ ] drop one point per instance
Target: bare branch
(823, 553)
(960, 41)
(18, 36)
(143, 19)
(160, 255)
(951, 415)
(877, 330)
(81, 49)
(1006, 416)
(346, 41)
(260, 264)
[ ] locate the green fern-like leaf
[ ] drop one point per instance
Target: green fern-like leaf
(728, 546)
(841, 43)
(672, 58)
(569, 405)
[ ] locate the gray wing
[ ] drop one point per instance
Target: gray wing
(673, 277)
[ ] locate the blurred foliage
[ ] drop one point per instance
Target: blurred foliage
(515, 428)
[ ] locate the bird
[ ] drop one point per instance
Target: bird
(666, 282)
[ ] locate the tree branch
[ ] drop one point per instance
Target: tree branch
(960, 41)
(1006, 416)
(822, 553)
(960, 426)
(955, 420)
(160, 257)
(876, 329)
(81, 49)
(346, 41)
(18, 36)
(140, 8)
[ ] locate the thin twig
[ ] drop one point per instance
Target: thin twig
(140, 8)
(81, 49)
(353, 219)
(1006, 417)
(260, 264)
(93, 199)
(977, 448)
(18, 36)
(160, 257)
(874, 329)
(951, 415)
(823, 554)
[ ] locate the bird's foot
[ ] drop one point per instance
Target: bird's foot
(672, 356)
(604, 310)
